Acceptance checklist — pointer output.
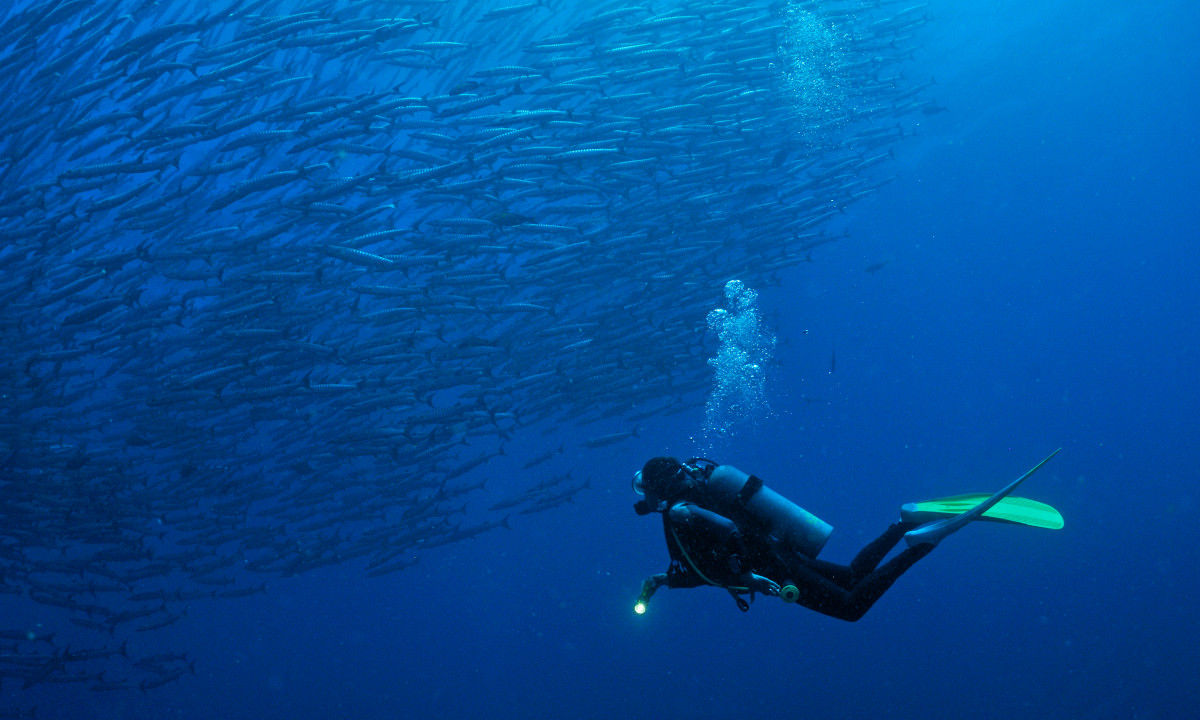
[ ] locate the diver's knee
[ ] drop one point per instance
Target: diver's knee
(851, 614)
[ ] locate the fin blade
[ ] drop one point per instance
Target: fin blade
(934, 532)
(1019, 510)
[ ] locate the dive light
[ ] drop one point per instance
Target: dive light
(648, 588)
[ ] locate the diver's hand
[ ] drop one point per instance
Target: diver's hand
(758, 583)
(650, 585)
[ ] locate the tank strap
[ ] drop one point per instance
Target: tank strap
(752, 486)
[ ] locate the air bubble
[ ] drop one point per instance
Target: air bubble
(738, 395)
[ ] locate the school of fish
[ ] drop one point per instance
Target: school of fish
(280, 281)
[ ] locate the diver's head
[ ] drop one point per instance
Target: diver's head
(661, 480)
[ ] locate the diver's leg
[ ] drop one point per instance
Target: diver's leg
(870, 556)
(818, 592)
(841, 575)
(873, 586)
(848, 577)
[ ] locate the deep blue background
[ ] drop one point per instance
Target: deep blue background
(1039, 290)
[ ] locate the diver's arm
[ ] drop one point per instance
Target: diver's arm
(672, 578)
(723, 530)
(718, 527)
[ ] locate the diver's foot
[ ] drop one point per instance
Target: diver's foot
(932, 533)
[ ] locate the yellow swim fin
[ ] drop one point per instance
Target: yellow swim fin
(1019, 510)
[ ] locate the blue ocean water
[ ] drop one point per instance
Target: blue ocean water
(1026, 281)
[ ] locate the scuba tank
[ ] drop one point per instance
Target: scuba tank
(728, 488)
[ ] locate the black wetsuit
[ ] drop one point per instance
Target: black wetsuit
(710, 549)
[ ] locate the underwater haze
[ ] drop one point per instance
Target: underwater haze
(334, 331)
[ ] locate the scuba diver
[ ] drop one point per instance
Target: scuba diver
(725, 528)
